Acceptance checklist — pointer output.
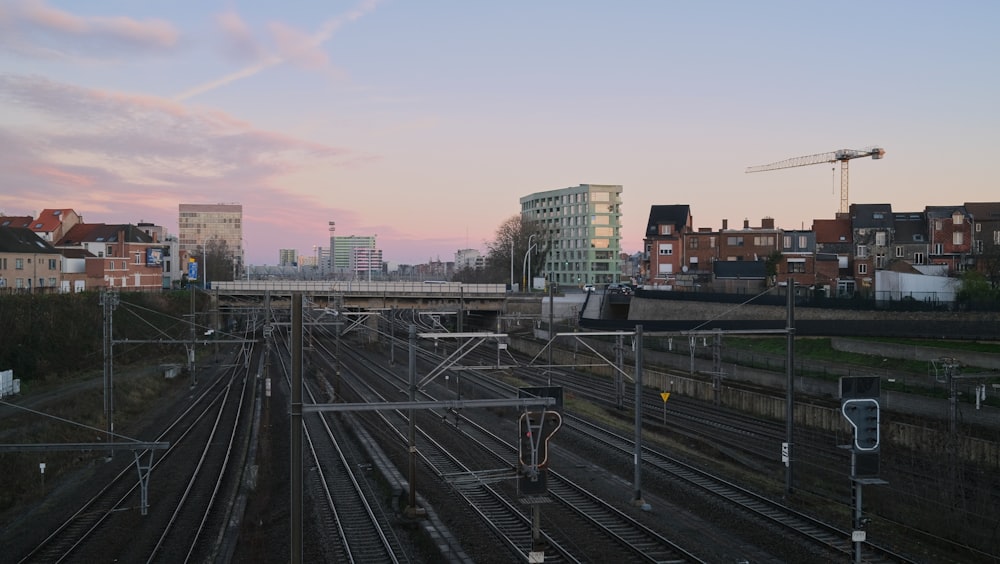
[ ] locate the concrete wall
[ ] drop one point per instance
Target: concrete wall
(808, 412)
(641, 309)
(912, 352)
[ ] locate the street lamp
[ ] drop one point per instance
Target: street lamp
(527, 259)
(511, 264)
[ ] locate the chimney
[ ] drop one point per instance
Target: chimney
(767, 223)
(746, 223)
(725, 224)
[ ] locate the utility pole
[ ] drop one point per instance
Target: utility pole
(790, 391)
(109, 301)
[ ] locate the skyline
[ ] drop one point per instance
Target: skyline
(424, 124)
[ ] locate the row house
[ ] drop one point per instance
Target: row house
(53, 224)
(802, 262)
(986, 237)
(872, 229)
(845, 253)
(120, 256)
(950, 236)
(664, 243)
(748, 243)
(27, 262)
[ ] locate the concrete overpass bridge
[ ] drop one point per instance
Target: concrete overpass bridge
(362, 295)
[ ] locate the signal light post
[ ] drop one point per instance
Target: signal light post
(859, 403)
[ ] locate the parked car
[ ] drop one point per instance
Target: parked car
(588, 288)
(619, 289)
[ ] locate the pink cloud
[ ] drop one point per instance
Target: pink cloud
(297, 47)
(32, 27)
(131, 152)
(237, 38)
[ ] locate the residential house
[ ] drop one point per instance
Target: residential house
(801, 262)
(123, 256)
(664, 256)
(52, 224)
(986, 238)
(749, 243)
(834, 241)
(949, 233)
(27, 262)
(872, 234)
(909, 243)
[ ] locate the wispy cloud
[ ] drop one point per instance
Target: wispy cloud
(289, 45)
(33, 28)
(100, 141)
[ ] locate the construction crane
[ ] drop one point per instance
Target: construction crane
(843, 155)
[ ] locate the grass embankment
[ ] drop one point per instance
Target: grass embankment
(72, 411)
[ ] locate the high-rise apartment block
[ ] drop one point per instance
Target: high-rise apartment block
(583, 226)
(198, 224)
(288, 257)
(344, 252)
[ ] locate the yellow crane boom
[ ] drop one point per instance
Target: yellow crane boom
(842, 155)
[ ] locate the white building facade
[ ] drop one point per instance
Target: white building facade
(583, 224)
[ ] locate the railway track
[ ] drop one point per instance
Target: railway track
(108, 525)
(604, 525)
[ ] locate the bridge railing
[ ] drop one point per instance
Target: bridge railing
(360, 288)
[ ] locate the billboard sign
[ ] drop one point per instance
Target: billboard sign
(154, 256)
(192, 269)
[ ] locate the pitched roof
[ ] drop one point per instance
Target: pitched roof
(984, 211)
(23, 240)
(944, 211)
(103, 233)
(49, 219)
(910, 227)
(676, 214)
(871, 215)
(16, 221)
(832, 230)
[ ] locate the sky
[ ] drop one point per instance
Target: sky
(423, 123)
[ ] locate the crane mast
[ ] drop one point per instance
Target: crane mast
(843, 156)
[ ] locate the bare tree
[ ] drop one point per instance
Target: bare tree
(506, 252)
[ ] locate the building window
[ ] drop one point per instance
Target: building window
(938, 225)
(666, 268)
(862, 268)
(938, 248)
(918, 258)
(52, 264)
(862, 251)
(52, 281)
(957, 217)
(880, 261)
(979, 245)
(763, 241)
(666, 249)
(666, 229)
(880, 238)
(735, 241)
(19, 264)
(957, 238)
(996, 237)
(796, 267)
(692, 242)
(979, 228)
(899, 252)
(803, 242)
(787, 241)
